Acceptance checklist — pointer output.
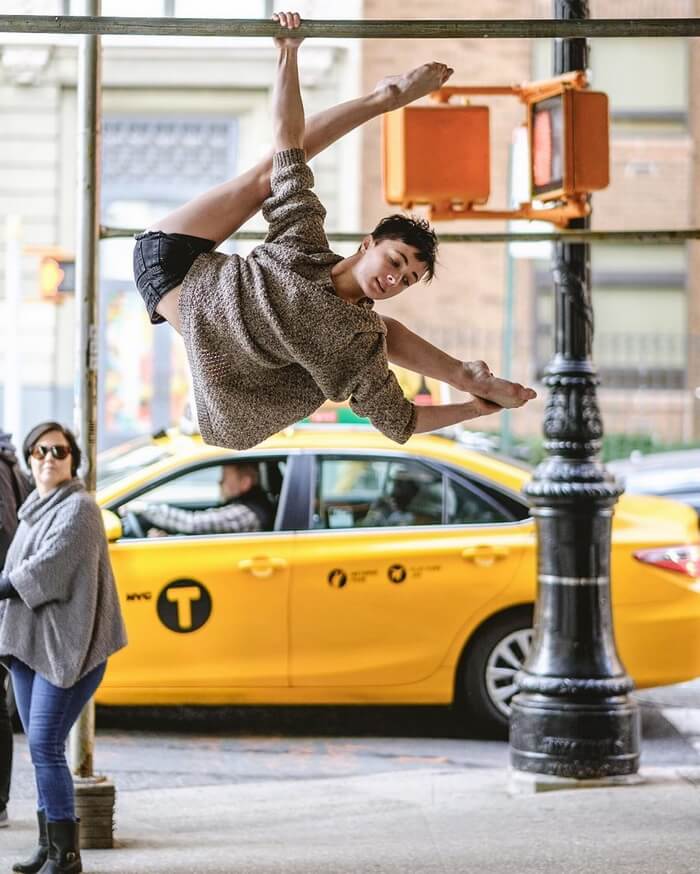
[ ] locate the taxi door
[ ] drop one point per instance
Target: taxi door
(378, 599)
(205, 611)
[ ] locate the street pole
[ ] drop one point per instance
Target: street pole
(572, 717)
(94, 796)
(12, 380)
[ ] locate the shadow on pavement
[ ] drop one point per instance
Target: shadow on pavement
(437, 722)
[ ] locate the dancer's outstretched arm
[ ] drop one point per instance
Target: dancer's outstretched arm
(444, 415)
(287, 108)
(407, 349)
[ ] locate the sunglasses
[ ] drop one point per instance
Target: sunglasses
(58, 452)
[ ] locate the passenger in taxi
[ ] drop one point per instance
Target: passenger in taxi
(271, 336)
(244, 507)
(394, 509)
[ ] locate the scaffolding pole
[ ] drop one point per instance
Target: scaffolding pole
(94, 795)
(663, 236)
(377, 29)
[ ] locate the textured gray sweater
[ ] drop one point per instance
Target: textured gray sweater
(67, 619)
(268, 339)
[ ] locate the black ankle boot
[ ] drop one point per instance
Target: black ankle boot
(64, 848)
(35, 862)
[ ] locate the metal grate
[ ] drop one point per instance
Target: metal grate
(167, 158)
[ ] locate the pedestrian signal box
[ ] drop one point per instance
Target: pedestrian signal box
(440, 155)
(569, 144)
(56, 276)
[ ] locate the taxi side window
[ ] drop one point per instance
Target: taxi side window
(195, 490)
(466, 506)
(154, 512)
(376, 492)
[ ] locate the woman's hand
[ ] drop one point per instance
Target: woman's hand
(291, 21)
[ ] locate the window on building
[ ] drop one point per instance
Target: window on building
(150, 166)
(645, 79)
(639, 309)
(177, 8)
(165, 158)
(217, 9)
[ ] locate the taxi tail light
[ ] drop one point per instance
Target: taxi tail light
(682, 559)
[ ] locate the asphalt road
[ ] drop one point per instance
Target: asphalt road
(182, 747)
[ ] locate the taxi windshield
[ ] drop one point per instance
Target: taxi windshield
(112, 464)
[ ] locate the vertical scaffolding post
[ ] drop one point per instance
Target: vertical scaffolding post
(572, 718)
(94, 795)
(12, 396)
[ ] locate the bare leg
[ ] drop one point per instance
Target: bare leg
(221, 211)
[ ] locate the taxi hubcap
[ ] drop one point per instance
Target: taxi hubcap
(506, 659)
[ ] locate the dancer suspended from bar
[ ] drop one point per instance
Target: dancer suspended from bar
(269, 337)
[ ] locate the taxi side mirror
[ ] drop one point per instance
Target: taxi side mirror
(113, 525)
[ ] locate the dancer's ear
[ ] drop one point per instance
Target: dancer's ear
(366, 243)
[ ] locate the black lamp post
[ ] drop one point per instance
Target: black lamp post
(571, 717)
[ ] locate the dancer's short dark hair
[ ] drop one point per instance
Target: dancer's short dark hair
(414, 232)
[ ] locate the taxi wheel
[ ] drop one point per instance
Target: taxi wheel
(486, 677)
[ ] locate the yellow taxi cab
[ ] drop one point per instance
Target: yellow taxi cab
(391, 575)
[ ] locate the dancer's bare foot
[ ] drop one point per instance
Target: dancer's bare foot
(400, 90)
(478, 379)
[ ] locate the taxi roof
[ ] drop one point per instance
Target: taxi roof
(170, 449)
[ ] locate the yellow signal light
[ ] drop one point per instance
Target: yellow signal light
(50, 277)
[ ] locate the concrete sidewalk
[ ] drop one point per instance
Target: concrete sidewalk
(437, 820)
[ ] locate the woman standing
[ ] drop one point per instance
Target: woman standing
(59, 622)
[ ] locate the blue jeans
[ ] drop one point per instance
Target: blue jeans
(48, 713)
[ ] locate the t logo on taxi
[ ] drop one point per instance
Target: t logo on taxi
(184, 606)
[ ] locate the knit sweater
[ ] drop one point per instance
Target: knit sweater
(267, 337)
(66, 620)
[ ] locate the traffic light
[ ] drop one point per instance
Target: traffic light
(569, 144)
(56, 276)
(440, 155)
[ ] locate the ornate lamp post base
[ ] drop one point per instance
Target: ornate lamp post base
(572, 718)
(575, 739)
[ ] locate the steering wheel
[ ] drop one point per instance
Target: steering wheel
(131, 525)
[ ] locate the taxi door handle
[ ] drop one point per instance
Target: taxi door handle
(484, 556)
(262, 566)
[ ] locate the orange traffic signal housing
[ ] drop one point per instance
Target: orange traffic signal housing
(569, 144)
(438, 155)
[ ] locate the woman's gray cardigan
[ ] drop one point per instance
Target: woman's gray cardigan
(66, 620)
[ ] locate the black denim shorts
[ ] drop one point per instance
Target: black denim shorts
(161, 262)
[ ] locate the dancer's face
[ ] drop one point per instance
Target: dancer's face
(387, 267)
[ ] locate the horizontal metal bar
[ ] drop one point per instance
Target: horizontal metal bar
(375, 29)
(576, 236)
